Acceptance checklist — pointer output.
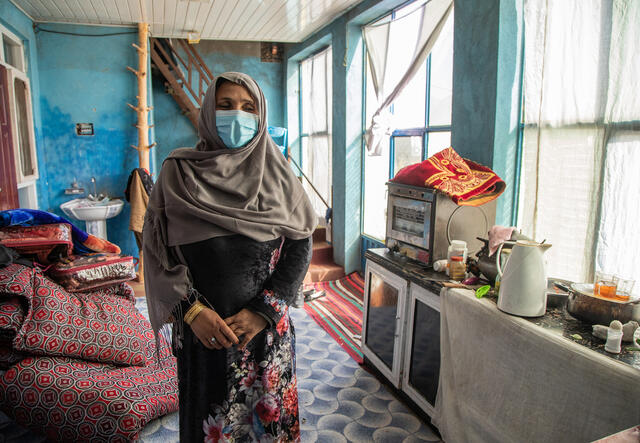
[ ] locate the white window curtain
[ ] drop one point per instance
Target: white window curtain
(391, 71)
(581, 150)
(316, 127)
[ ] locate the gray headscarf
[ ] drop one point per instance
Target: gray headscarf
(212, 191)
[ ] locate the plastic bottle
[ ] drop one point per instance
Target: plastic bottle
(457, 268)
(441, 265)
(457, 247)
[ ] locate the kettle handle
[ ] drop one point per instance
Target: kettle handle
(499, 252)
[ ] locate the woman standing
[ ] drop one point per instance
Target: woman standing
(227, 241)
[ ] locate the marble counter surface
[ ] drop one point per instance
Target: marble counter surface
(556, 320)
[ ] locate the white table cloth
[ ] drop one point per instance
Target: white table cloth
(505, 379)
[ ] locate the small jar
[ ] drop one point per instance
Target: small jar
(614, 340)
(457, 268)
(457, 247)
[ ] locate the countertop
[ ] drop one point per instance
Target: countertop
(556, 320)
(411, 270)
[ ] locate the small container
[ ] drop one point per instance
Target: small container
(605, 285)
(441, 265)
(457, 268)
(457, 247)
(624, 288)
(614, 339)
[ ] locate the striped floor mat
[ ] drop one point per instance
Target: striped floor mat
(339, 312)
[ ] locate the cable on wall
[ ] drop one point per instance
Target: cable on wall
(37, 29)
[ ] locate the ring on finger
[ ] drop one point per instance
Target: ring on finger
(213, 340)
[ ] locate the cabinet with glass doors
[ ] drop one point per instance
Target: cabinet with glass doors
(401, 331)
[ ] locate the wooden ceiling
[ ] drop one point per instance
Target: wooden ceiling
(244, 20)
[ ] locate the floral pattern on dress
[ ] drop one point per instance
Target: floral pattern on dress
(275, 256)
(270, 299)
(262, 403)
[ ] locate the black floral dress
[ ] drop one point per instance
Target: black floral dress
(231, 395)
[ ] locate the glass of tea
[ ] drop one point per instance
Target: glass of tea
(624, 288)
(605, 285)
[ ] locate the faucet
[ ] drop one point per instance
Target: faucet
(95, 196)
(95, 193)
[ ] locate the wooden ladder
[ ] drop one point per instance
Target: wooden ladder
(187, 76)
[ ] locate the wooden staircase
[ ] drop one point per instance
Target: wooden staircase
(186, 74)
(322, 267)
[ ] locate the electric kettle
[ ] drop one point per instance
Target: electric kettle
(523, 284)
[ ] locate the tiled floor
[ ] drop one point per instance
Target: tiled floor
(339, 401)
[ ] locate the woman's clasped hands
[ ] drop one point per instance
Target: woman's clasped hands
(217, 333)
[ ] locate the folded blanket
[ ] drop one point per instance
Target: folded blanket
(71, 399)
(101, 325)
(466, 182)
(74, 400)
(83, 243)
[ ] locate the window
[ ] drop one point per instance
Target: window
(581, 136)
(315, 133)
(13, 52)
(20, 105)
(422, 114)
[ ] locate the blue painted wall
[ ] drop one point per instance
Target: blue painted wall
(487, 87)
(174, 130)
(19, 24)
(85, 80)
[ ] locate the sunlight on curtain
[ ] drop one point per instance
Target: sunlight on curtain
(316, 127)
(582, 139)
(396, 51)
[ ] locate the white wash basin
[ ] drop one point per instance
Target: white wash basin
(89, 210)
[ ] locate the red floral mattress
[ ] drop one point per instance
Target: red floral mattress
(82, 366)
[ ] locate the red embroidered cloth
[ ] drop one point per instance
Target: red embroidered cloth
(466, 182)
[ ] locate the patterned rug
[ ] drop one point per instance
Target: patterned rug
(339, 312)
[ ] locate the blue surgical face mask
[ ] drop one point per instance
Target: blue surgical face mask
(236, 128)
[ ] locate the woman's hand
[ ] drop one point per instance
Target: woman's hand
(208, 324)
(246, 324)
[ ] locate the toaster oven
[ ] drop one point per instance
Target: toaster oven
(421, 222)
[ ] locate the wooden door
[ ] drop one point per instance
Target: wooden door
(8, 181)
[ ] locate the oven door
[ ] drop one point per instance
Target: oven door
(409, 221)
(421, 369)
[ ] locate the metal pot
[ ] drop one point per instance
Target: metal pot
(595, 310)
(557, 295)
(486, 264)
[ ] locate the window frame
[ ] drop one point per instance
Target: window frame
(15, 42)
(303, 135)
(423, 131)
(20, 73)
